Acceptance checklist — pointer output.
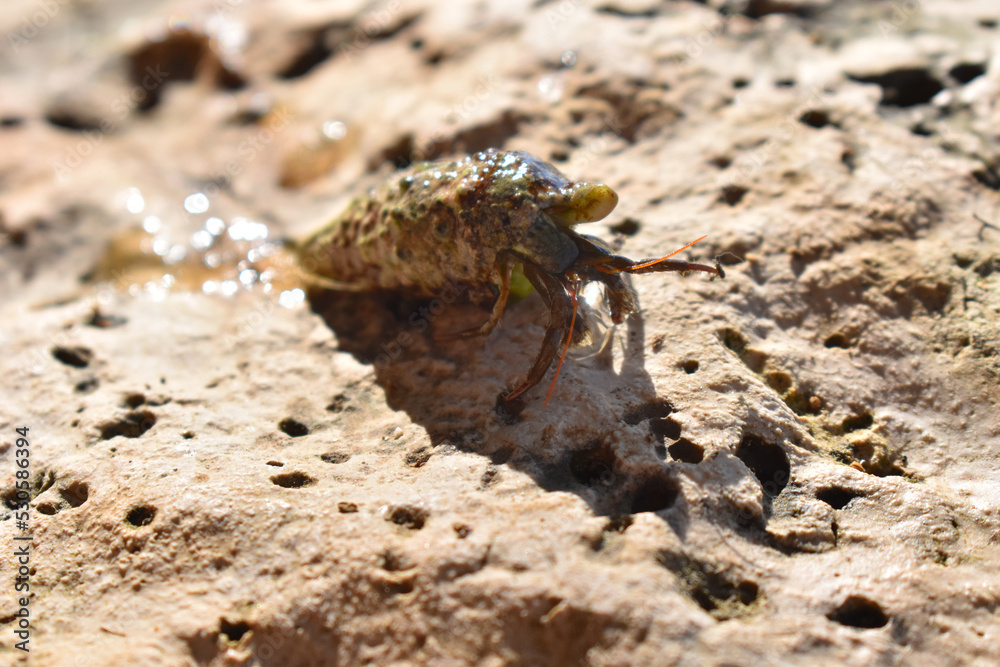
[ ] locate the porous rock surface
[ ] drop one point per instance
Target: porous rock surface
(799, 464)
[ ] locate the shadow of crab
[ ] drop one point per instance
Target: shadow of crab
(581, 442)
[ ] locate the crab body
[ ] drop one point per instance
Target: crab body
(473, 221)
(447, 222)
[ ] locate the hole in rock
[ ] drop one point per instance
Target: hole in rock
(293, 427)
(627, 227)
(134, 400)
(293, 480)
(654, 494)
(859, 612)
(75, 356)
(132, 425)
(768, 463)
(858, 422)
(142, 515)
(966, 72)
(837, 340)
(48, 508)
(686, 451)
(837, 497)
(594, 466)
(732, 194)
(75, 494)
(905, 87)
(815, 118)
(233, 631)
(408, 516)
(418, 457)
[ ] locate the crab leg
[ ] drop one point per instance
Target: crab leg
(569, 337)
(657, 265)
(619, 264)
(561, 314)
(506, 269)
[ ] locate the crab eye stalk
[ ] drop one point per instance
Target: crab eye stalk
(588, 203)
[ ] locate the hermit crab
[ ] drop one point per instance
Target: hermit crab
(482, 222)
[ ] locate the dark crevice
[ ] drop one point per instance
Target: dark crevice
(732, 194)
(654, 410)
(988, 176)
(293, 480)
(665, 429)
(816, 118)
(736, 342)
(334, 457)
(342, 38)
(654, 494)
(418, 457)
(10, 498)
(408, 516)
(293, 427)
(837, 340)
(966, 72)
(180, 56)
(614, 10)
(233, 630)
(594, 466)
(316, 51)
(76, 356)
(686, 451)
(142, 515)
(134, 400)
(837, 497)
(75, 494)
(858, 422)
(723, 594)
(86, 386)
(627, 227)
(859, 612)
(132, 425)
(69, 119)
(904, 87)
(767, 461)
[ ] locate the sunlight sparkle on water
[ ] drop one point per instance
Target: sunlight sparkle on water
(247, 277)
(201, 239)
(152, 224)
(134, 202)
(176, 254)
(215, 226)
(196, 203)
(291, 298)
(243, 229)
(334, 129)
(550, 89)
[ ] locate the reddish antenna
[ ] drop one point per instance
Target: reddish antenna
(569, 339)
